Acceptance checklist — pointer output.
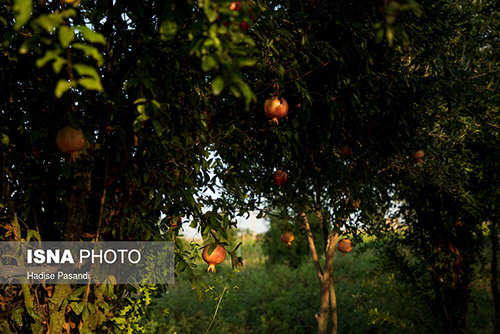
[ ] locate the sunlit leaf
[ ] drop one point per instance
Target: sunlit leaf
(62, 87)
(22, 12)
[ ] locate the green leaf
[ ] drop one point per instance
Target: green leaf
(212, 248)
(168, 29)
(4, 140)
(210, 13)
(91, 36)
(33, 234)
(92, 81)
(218, 85)
(248, 62)
(66, 36)
(208, 63)
(85, 313)
(90, 51)
(158, 127)
(49, 56)
(86, 70)
(390, 35)
(77, 307)
(181, 266)
(58, 64)
(66, 171)
(22, 12)
(91, 84)
(62, 87)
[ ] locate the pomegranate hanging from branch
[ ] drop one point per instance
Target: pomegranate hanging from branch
(70, 140)
(287, 237)
(217, 256)
(275, 108)
(280, 177)
(344, 246)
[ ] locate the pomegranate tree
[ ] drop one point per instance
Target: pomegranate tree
(287, 237)
(275, 108)
(70, 140)
(344, 246)
(217, 256)
(280, 177)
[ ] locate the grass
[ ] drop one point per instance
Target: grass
(279, 299)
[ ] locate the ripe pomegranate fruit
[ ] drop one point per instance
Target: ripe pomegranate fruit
(173, 223)
(418, 155)
(245, 26)
(346, 150)
(70, 140)
(280, 177)
(235, 5)
(287, 237)
(216, 257)
(344, 246)
(275, 108)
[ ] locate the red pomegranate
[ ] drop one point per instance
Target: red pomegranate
(418, 155)
(173, 223)
(344, 246)
(70, 140)
(287, 237)
(216, 257)
(280, 177)
(346, 150)
(235, 5)
(245, 26)
(275, 108)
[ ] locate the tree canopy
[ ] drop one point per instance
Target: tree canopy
(170, 96)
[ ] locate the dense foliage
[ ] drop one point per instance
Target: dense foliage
(170, 95)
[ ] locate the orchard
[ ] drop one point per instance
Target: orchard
(353, 128)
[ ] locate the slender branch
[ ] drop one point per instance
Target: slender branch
(217, 308)
(329, 252)
(321, 220)
(308, 72)
(103, 197)
(312, 247)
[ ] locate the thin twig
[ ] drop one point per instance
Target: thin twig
(217, 308)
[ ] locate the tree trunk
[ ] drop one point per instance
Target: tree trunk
(77, 218)
(328, 301)
(494, 276)
(333, 305)
(78, 205)
(324, 307)
(57, 314)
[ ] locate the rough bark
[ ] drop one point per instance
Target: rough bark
(329, 252)
(56, 312)
(333, 306)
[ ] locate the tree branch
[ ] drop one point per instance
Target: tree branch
(312, 247)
